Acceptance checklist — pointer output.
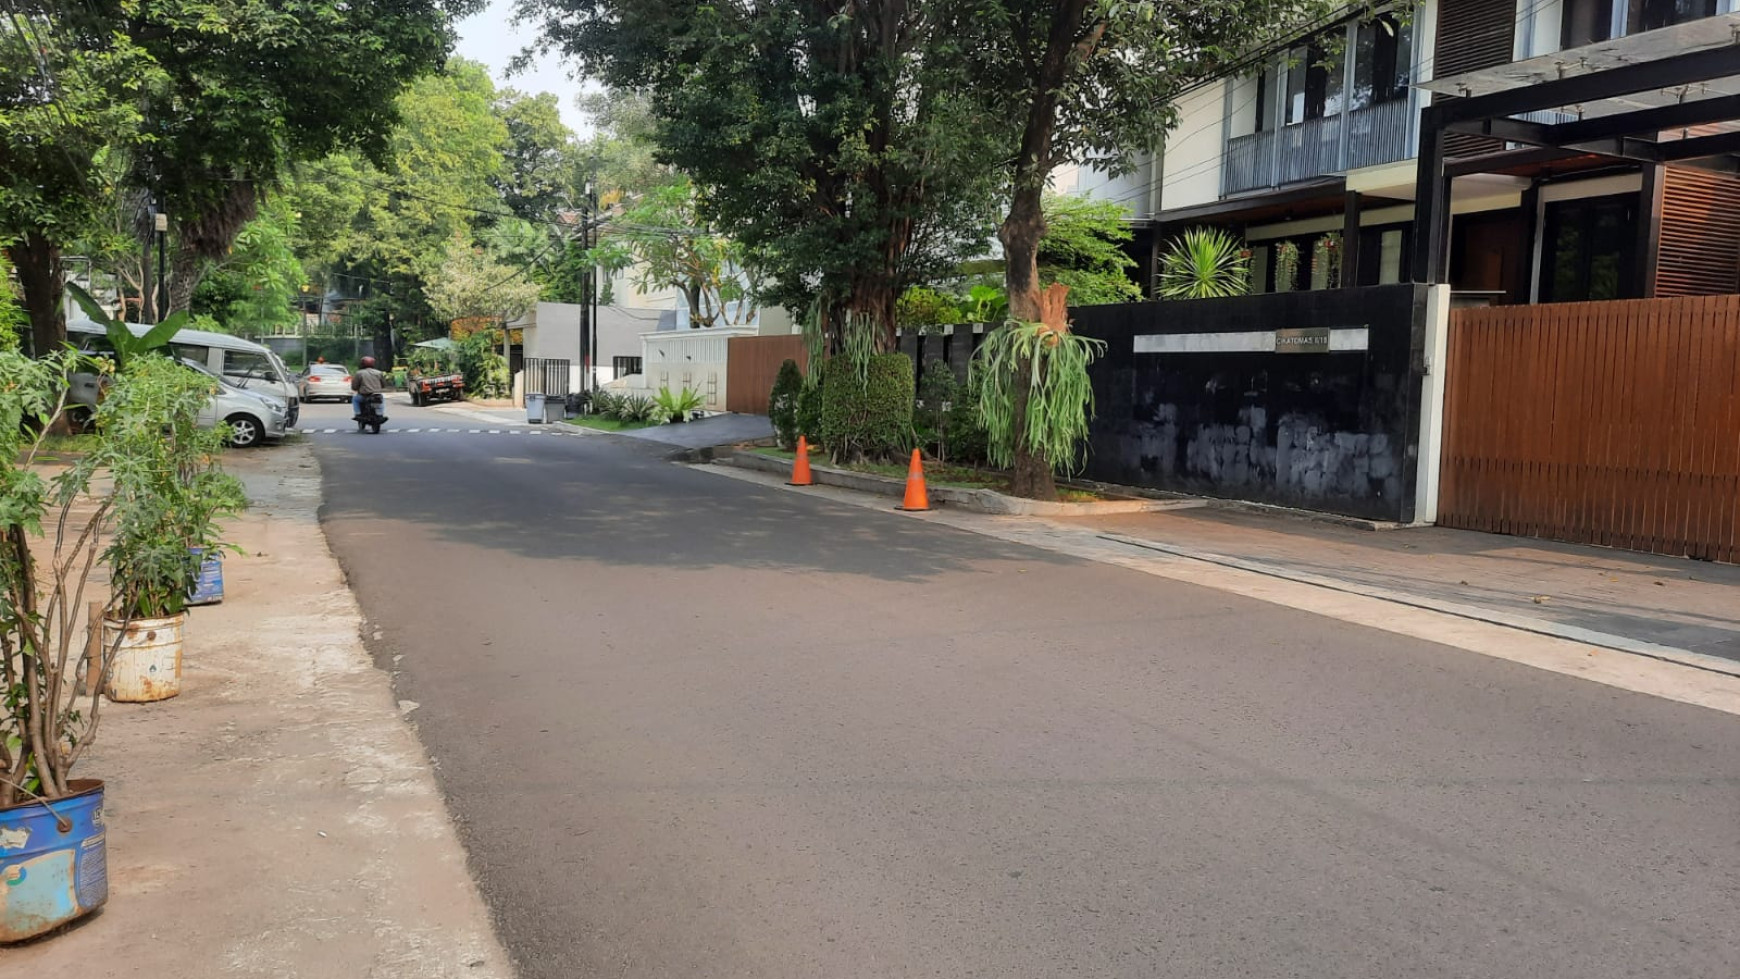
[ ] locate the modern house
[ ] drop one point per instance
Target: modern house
(1315, 156)
(1497, 247)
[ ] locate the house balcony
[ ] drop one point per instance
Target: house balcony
(1382, 133)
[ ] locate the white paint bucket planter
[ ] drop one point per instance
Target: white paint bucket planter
(147, 663)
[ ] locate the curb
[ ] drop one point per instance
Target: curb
(1522, 623)
(977, 500)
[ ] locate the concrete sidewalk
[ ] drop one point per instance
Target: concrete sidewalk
(279, 818)
(1678, 603)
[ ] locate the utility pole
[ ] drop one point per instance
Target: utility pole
(592, 282)
(147, 286)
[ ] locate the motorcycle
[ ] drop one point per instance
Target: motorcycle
(370, 418)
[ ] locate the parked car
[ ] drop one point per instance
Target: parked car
(253, 417)
(324, 381)
(243, 363)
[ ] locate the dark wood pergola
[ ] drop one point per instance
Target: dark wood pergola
(1608, 122)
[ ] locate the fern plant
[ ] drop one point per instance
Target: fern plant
(1204, 263)
(673, 408)
(1060, 398)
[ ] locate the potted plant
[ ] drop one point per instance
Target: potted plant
(52, 857)
(167, 495)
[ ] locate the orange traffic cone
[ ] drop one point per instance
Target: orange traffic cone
(800, 466)
(916, 496)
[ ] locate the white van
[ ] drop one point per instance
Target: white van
(248, 365)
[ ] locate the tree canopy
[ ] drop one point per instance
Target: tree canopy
(215, 98)
(829, 143)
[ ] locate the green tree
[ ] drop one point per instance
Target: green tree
(61, 103)
(1090, 79)
(471, 284)
(1083, 249)
(536, 178)
(660, 238)
(828, 141)
(218, 98)
(254, 288)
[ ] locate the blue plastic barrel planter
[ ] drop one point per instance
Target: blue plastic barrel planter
(208, 588)
(53, 868)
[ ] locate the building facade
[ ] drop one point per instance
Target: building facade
(1312, 161)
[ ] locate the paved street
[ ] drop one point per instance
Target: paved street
(691, 726)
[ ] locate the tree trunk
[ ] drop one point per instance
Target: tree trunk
(44, 280)
(186, 271)
(1020, 234)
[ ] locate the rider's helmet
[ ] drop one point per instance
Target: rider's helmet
(368, 362)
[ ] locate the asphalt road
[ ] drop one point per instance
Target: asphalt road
(695, 727)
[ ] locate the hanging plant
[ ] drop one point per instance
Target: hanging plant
(1060, 399)
(1204, 263)
(1286, 266)
(1326, 255)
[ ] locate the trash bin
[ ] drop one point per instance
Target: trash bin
(534, 408)
(555, 410)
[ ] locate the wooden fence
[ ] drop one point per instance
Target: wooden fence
(751, 365)
(1613, 423)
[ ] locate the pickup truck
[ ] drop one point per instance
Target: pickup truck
(429, 388)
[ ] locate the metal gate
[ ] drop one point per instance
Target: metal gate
(548, 376)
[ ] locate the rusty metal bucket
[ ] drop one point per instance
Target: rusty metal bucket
(53, 862)
(147, 663)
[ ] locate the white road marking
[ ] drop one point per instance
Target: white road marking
(495, 431)
(415, 430)
(331, 430)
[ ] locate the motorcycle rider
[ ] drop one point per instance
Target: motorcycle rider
(365, 382)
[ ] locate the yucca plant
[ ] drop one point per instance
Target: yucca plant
(1060, 398)
(674, 408)
(1204, 263)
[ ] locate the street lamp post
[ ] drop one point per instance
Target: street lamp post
(160, 226)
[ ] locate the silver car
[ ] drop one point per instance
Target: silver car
(253, 417)
(324, 381)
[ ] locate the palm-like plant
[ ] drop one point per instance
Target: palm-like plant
(1204, 263)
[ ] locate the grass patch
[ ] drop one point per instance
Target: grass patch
(68, 445)
(936, 474)
(599, 423)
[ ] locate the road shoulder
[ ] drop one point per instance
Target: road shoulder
(1613, 667)
(278, 818)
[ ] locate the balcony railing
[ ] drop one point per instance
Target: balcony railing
(1333, 144)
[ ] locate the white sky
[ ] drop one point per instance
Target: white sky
(490, 38)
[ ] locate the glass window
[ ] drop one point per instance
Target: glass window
(1390, 257)
(1260, 268)
(1265, 82)
(1585, 22)
(1383, 65)
(1298, 80)
(242, 366)
(1587, 249)
(1648, 15)
(192, 351)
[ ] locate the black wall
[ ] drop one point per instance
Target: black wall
(1336, 432)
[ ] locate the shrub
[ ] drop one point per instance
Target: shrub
(809, 406)
(869, 416)
(964, 428)
(782, 404)
(937, 391)
(637, 408)
(485, 370)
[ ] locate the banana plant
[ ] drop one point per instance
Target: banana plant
(122, 340)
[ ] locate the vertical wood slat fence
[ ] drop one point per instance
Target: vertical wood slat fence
(1611, 423)
(752, 364)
